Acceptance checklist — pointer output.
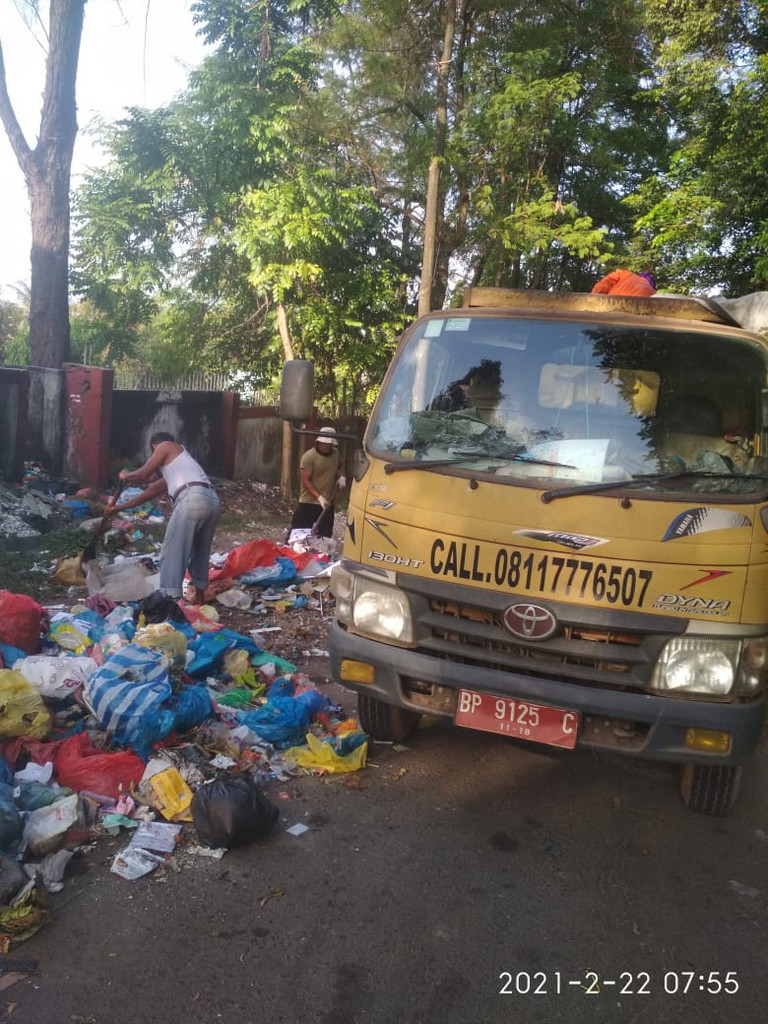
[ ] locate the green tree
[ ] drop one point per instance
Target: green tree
(13, 332)
(317, 248)
(704, 220)
(293, 197)
(164, 242)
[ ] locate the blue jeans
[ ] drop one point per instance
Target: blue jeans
(188, 539)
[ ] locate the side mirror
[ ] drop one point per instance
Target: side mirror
(296, 390)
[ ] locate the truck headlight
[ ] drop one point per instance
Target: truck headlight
(341, 588)
(381, 611)
(711, 666)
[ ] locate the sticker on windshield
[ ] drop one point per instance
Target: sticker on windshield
(704, 520)
(433, 328)
(577, 541)
(458, 323)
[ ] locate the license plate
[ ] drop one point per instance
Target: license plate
(518, 718)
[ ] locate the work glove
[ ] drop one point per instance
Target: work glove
(341, 483)
(323, 501)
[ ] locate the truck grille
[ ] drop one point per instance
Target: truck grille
(593, 654)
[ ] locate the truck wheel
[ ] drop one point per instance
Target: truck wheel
(384, 721)
(710, 789)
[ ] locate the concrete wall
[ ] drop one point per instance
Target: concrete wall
(75, 423)
(258, 446)
(45, 418)
(14, 390)
(199, 419)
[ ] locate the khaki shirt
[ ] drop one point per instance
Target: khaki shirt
(322, 473)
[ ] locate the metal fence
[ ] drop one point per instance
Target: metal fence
(130, 379)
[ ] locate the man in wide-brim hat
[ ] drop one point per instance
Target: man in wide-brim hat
(319, 480)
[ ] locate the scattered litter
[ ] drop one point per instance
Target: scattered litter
(747, 891)
(52, 869)
(206, 851)
(298, 829)
(271, 895)
(234, 598)
(353, 782)
(169, 794)
(222, 761)
(156, 835)
(133, 863)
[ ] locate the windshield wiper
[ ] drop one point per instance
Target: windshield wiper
(637, 478)
(395, 467)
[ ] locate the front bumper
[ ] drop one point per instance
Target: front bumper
(638, 724)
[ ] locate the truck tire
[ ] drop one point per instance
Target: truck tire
(710, 789)
(385, 721)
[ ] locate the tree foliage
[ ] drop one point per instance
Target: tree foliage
(288, 192)
(705, 218)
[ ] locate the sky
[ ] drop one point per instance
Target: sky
(133, 53)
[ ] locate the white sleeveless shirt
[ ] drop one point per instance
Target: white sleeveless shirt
(182, 470)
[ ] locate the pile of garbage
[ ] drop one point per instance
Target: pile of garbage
(26, 513)
(148, 718)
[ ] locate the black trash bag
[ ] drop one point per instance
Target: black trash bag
(12, 878)
(232, 811)
(11, 823)
(158, 607)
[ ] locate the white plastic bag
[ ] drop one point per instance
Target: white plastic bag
(44, 826)
(55, 677)
(128, 580)
(234, 598)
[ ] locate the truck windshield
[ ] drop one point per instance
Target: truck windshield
(561, 403)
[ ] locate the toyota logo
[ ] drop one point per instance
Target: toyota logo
(530, 621)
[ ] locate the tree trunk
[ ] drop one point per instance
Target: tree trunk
(431, 212)
(46, 170)
(286, 460)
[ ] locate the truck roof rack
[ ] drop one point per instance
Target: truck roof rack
(673, 306)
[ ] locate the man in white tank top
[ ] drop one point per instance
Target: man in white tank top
(196, 511)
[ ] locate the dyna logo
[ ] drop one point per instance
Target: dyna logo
(530, 621)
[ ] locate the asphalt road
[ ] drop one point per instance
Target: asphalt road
(469, 864)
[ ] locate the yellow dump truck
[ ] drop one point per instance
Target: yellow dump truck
(558, 532)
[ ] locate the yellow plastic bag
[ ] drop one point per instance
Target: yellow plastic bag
(170, 794)
(22, 710)
(69, 572)
(162, 636)
(322, 757)
(69, 637)
(236, 663)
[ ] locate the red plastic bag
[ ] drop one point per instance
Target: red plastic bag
(256, 553)
(77, 763)
(20, 619)
(80, 765)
